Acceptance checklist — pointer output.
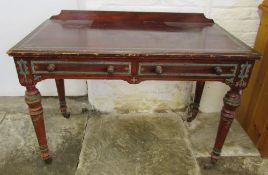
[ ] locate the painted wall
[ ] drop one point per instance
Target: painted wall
(149, 96)
(18, 18)
(240, 17)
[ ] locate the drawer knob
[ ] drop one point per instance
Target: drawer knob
(159, 70)
(51, 67)
(110, 69)
(218, 70)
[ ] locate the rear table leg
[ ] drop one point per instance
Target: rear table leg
(194, 107)
(61, 94)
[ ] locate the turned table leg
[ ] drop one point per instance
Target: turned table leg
(33, 100)
(231, 102)
(61, 94)
(194, 107)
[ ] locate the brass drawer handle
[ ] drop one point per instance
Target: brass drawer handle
(110, 69)
(159, 70)
(51, 67)
(218, 70)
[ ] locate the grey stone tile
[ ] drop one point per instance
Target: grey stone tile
(264, 166)
(121, 144)
(50, 104)
(237, 165)
(202, 133)
(2, 117)
(13, 104)
(19, 148)
(142, 144)
(75, 104)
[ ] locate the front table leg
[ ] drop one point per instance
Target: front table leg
(231, 102)
(33, 100)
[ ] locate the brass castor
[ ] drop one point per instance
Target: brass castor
(48, 161)
(193, 116)
(209, 165)
(66, 114)
(192, 111)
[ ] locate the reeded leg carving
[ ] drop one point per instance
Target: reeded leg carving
(194, 107)
(61, 94)
(231, 102)
(33, 100)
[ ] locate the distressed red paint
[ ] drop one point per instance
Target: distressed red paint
(134, 47)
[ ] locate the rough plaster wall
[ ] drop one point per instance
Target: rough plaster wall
(240, 17)
(18, 18)
(147, 96)
(148, 5)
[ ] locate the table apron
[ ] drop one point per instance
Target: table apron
(131, 71)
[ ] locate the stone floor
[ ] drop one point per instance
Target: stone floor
(92, 143)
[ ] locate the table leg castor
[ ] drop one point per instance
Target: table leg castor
(48, 161)
(61, 94)
(194, 107)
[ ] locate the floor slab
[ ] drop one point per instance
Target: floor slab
(19, 148)
(50, 104)
(136, 144)
(202, 133)
(239, 155)
(236, 165)
(2, 117)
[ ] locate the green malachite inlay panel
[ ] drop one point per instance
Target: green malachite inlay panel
(82, 63)
(244, 71)
(243, 75)
(24, 71)
(216, 151)
(230, 81)
(32, 99)
(188, 65)
(232, 102)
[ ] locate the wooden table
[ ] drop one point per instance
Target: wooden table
(134, 47)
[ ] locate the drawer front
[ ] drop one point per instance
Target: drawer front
(81, 67)
(187, 69)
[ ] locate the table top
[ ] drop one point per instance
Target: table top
(130, 33)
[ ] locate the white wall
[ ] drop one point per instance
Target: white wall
(148, 5)
(240, 17)
(149, 96)
(18, 18)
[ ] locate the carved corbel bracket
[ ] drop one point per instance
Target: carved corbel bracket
(26, 77)
(240, 81)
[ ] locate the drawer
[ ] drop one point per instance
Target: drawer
(81, 67)
(187, 69)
